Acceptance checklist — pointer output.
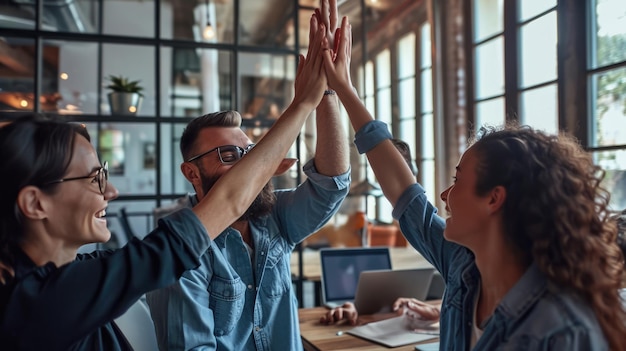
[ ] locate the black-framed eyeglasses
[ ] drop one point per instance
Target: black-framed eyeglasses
(229, 154)
(101, 176)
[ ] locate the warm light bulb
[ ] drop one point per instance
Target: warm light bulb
(24, 103)
(64, 76)
(209, 32)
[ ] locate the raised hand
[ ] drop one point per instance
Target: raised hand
(337, 64)
(311, 80)
(327, 15)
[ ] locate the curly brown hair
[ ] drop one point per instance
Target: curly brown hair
(556, 215)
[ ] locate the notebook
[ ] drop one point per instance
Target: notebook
(341, 268)
(378, 290)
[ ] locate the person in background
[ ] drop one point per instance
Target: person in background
(348, 311)
(241, 296)
(528, 250)
(55, 193)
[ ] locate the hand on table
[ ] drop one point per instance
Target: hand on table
(347, 312)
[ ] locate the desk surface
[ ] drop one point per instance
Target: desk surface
(320, 337)
(401, 258)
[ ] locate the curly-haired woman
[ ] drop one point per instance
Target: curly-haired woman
(528, 251)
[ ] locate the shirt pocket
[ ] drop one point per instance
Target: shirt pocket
(276, 276)
(226, 301)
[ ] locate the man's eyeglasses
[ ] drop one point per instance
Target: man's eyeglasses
(229, 154)
(101, 176)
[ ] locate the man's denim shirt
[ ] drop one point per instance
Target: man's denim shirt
(229, 304)
(533, 315)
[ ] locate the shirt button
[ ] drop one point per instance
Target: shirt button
(262, 253)
(250, 286)
(257, 328)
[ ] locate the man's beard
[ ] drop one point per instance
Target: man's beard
(261, 206)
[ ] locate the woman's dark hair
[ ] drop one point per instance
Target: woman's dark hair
(556, 215)
(34, 150)
(216, 119)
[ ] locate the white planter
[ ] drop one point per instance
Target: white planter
(126, 104)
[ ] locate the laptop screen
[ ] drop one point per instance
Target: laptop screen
(341, 269)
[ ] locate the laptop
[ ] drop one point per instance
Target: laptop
(378, 290)
(341, 268)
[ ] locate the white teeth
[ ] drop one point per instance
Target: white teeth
(101, 214)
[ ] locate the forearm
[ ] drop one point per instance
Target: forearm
(236, 189)
(331, 150)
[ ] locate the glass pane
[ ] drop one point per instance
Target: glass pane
(76, 77)
(121, 18)
(78, 16)
(369, 79)
(172, 180)
(540, 108)
(426, 46)
(263, 25)
(610, 32)
(20, 16)
(383, 69)
(370, 104)
(304, 18)
(266, 83)
(614, 164)
(129, 149)
(17, 76)
(406, 98)
(531, 8)
(427, 90)
(489, 68)
(490, 112)
(609, 111)
(188, 20)
(539, 48)
(488, 18)
(195, 81)
(406, 56)
(139, 218)
(116, 62)
(383, 105)
(427, 176)
(407, 134)
(428, 136)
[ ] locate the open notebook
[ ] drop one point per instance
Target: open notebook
(341, 269)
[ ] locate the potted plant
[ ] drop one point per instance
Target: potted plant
(125, 97)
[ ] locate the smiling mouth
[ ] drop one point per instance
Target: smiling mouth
(101, 214)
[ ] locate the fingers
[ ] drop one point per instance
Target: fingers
(345, 40)
(313, 29)
(333, 15)
(325, 12)
(338, 314)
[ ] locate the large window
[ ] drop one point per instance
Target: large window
(607, 94)
(515, 62)
(522, 55)
(62, 66)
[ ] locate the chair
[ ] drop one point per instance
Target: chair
(136, 325)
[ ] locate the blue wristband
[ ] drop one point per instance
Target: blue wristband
(370, 135)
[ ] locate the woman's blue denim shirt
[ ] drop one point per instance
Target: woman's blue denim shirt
(227, 303)
(533, 315)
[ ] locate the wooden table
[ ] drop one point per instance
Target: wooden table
(320, 337)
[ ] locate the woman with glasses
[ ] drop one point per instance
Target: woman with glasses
(528, 249)
(53, 198)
